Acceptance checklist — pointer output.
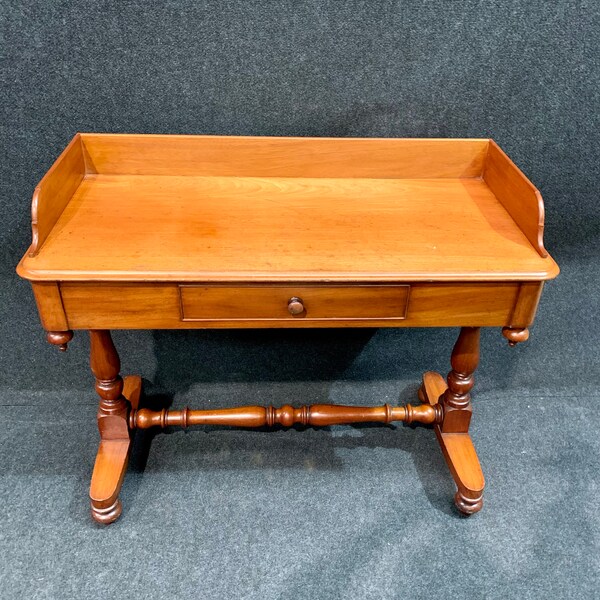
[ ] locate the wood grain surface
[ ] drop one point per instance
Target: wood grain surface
(190, 228)
(54, 192)
(517, 194)
(265, 156)
(271, 302)
(158, 306)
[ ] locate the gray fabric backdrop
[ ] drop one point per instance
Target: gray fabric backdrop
(525, 73)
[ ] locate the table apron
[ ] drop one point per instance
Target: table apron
(83, 305)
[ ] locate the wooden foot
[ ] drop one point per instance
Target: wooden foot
(515, 335)
(117, 398)
(59, 338)
(111, 464)
(458, 451)
(107, 478)
(468, 506)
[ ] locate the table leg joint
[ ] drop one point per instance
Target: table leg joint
(454, 395)
(117, 398)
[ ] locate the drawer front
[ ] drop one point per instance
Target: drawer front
(273, 302)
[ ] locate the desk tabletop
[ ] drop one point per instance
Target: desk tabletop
(217, 226)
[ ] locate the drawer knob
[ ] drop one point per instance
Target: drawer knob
(295, 306)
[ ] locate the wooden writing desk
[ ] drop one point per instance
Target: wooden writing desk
(185, 232)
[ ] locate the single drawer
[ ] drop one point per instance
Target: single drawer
(312, 303)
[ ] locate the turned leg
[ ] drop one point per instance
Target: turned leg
(455, 397)
(116, 398)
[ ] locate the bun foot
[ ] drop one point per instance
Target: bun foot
(467, 506)
(108, 514)
(59, 338)
(515, 336)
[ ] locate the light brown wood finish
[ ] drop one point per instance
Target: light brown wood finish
(315, 415)
(292, 228)
(458, 450)
(526, 305)
(115, 402)
(50, 306)
(515, 335)
(59, 338)
(517, 194)
(181, 232)
(523, 313)
(138, 306)
(331, 302)
(457, 398)
(251, 156)
(111, 463)
(54, 192)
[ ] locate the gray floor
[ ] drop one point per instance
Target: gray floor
(346, 512)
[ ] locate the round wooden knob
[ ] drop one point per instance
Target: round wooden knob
(295, 306)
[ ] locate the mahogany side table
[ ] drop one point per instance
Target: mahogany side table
(186, 232)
